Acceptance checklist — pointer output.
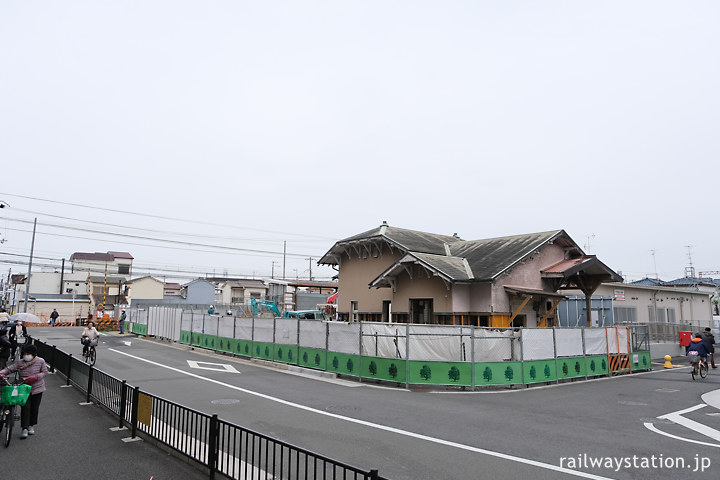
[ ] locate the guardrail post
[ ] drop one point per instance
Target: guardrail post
(53, 354)
(123, 403)
(134, 416)
(89, 384)
(213, 445)
(372, 475)
(69, 369)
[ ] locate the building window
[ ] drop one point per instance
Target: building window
(123, 269)
(354, 311)
(671, 315)
(625, 314)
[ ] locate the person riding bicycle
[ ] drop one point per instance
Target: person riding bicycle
(89, 336)
(697, 349)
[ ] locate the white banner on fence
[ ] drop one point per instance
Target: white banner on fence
(387, 341)
(164, 322)
(243, 328)
(286, 331)
(537, 344)
(617, 339)
(568, 342)
(312, 334)
(344, 337)
(595, 341)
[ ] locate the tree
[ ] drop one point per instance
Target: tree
(577, 367)
(392, 371)
(372, 368)
(509, 374)
(547, 371)
(425, 372)
(335, 363)
(487, 374)
(565, 369)
(592, 365)
(454, 374)
(604, 364)
(533, 372)
(349, 365)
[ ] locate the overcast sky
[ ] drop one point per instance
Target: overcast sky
(306, 122)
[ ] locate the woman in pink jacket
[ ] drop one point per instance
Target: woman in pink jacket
(31, 370)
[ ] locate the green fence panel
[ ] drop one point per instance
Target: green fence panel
(184, 337)
(225, 344)
(243, 347)
(285, 354)
(596, 365)
(343, 363)
(570, 367)
(390, 369)
(540, 371)
(263, 350)
(440, 373)
(312, 358)
(498, 373)
(640, 360)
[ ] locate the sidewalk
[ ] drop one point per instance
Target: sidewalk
(75, 441)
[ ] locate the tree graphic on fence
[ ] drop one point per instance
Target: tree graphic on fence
(290, 355)
(335, 363)
(279, 353)
(267, 352)
(487, 374)
(317, 359)
(454, 374)
(305, 357)
(372, 368)
(509, 373)
(565, 369)
(392, 371)
(547, 371)
(247, 348)
(257, 350)
(533, 372)
(604, 364)
(644, 361)
(592, 365)
(577, 367)
(349, 365)
(425, 372)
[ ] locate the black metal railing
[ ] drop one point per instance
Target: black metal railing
(220, 446)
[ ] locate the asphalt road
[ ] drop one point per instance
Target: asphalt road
(553, 432)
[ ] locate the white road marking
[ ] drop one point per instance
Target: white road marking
(652, 428)
(127, 343)
(397, 431)
(692, 424)
(216, 367)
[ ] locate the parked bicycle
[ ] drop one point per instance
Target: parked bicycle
(12, 396)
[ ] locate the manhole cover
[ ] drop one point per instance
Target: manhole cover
(225, 401)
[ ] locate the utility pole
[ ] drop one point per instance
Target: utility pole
(284, 254)
(27, 282)
(272, 273)
(311, 259)
(654, 264)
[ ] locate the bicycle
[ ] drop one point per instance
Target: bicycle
(13, 395)
(700, 368)
(90, 355)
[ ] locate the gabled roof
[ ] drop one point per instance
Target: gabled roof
(125, 255)
(400, 238)
(690, 282)
(99, 256)
(647, 281)
(143, 278)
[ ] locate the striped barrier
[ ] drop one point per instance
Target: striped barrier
(619, 363)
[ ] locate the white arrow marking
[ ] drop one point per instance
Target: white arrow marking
(127, 343)
(217, 367)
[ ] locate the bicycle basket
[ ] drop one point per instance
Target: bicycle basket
(693, 356)
(15, 394)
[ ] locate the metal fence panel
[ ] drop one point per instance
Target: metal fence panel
(243, 328)
(439, 342)
(344, 337)
(492, 345)
(384, 340)
(286, 331)
(264, 330)
(569, 342)
(313, 334)
(537, 343)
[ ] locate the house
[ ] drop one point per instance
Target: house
(200, 292)
(145, 288)
(172, 289)
(392, 274)
(239, 291)
(112, 263)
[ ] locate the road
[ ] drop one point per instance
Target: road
(641, 426)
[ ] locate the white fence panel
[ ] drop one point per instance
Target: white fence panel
(286, 331)
(313, 334)
(595, 341)
(537, 344)
(383, 340)
(264, 330)
(344, 337)
(243, 328)
(226, 327)
(568, 342)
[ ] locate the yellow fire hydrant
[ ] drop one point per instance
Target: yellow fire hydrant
(668, 363)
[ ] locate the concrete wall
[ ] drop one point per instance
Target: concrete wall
(421, 287)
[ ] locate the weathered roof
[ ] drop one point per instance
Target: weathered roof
(97, 256)
(647, 281)
(125, 255)
(453, 269)
(247, 283)
(401, 238)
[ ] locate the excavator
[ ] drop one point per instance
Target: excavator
(272, 306)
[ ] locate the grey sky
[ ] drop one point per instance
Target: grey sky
(312, 121)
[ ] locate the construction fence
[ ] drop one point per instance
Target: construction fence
(411, 353)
